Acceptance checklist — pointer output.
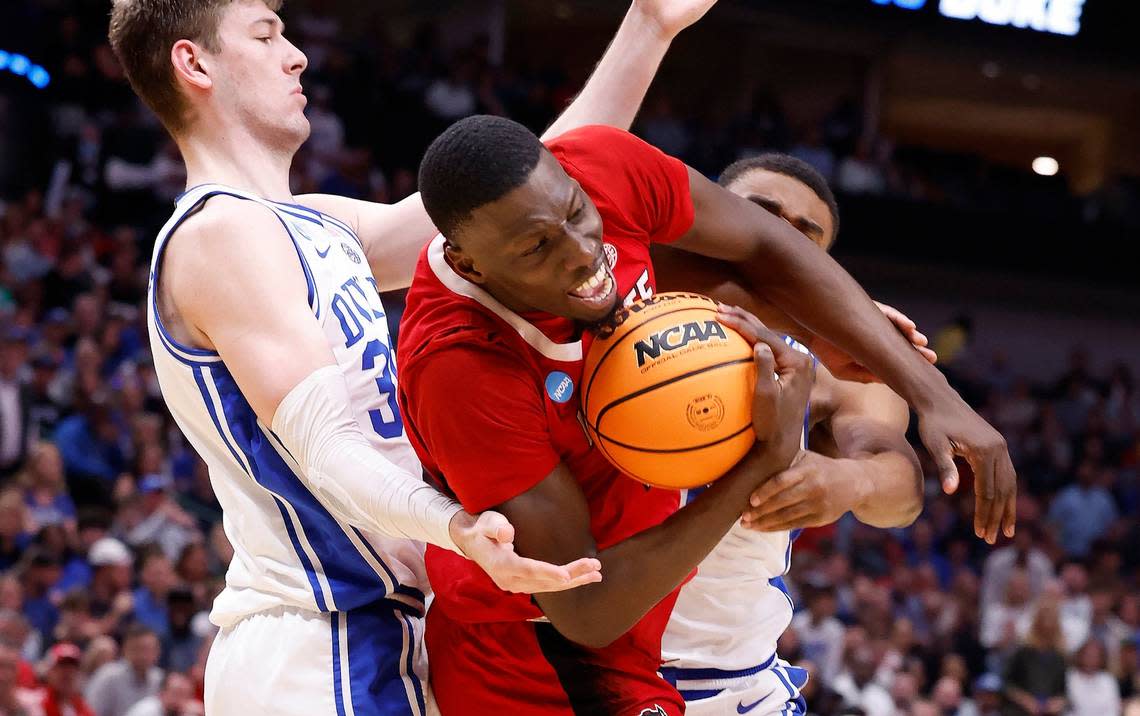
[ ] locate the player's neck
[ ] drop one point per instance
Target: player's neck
(237, 160)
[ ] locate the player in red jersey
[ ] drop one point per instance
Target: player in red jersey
(540, 242)
(488, 382)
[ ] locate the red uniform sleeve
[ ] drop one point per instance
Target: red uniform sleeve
(637, 179)
(483, 422)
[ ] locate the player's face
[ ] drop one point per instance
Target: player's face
(791, 200)
(256, 75)
(539, 248)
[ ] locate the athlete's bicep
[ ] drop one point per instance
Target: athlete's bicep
(234, 275)
(393, 234)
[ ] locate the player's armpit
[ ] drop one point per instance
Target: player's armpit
(392, 234)
(232, 276)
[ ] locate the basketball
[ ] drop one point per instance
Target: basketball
(668, 392)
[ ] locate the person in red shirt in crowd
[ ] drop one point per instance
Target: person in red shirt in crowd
(62, 695)
(15, 699)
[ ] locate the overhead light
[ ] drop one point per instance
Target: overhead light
(1046, 166)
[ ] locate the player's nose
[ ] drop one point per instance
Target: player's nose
(581, 252)
(295, 59)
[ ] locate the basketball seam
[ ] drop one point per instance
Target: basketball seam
(663, 451)
(590, 381)
(597, 425)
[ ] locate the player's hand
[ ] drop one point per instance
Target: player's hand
(672, 16)
(778, 405)
(488, 540)
(952, 428)
(813, 492)
(845, 367)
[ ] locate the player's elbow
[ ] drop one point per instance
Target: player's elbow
(587, 632)
(594, 628)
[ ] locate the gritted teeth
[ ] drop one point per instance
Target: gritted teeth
(587, 287)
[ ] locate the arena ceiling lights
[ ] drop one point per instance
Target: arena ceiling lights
(21, 66)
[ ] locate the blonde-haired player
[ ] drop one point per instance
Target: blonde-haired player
(272, 351)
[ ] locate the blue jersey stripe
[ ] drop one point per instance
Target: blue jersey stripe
(306, 563)
(675, 674)
(338, 680)
(410, 668)
(376, 667)
(699, 694)
(353, 580)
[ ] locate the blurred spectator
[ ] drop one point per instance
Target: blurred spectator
(812, 150)
(1035, 673)
(1091, 689)
(857, 686)
(61, 695)
(89, 443)
(1000, 621)
(45, 490)
(987, 692)
(858, 173)
(1083, 512)
(820, 633)
(116, 687)
(1025, 553)
(15, 700)
(14, 400)
(163, 522)
(156, 579)
(174, 696)
(947, 697)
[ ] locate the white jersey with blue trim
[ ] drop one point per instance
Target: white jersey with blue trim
(730, 615)
(289, 551)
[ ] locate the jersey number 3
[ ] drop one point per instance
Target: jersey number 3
(385, 419)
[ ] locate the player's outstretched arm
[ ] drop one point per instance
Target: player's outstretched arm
(233, 283)
(802, 280)
(615, 90)
(394, 234)
(642, 570)
(860, 462)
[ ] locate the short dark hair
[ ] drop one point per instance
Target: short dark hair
(138, 630)
(474, 162)
(789, 166)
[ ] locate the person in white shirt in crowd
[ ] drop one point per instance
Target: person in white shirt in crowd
(176, 694)
(858, 687)
(1091, 689)
(118, 686)
(820, 633)
(1000, 620)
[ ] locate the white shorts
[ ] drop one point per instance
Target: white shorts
(289, 662)
(770, 689)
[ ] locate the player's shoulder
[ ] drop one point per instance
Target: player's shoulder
(229, 222)
(597, 143)
(226, 238)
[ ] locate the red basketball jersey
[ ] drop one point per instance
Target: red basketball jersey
(490, 402)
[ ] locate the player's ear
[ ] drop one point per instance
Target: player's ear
(462, 263)
(187, 59)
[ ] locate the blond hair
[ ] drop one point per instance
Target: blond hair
(142, 32)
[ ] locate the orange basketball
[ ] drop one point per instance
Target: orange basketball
(668, 392)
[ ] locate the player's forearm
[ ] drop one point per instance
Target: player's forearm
(615, 90)
(801, 279)
(889, 489)
(644, 569)
(350, 478)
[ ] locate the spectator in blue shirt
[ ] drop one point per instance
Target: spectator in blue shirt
(1083, 512)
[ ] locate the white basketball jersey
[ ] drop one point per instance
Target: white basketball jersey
(288, 549)
(730, 615)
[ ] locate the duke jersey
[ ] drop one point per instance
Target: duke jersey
(728, 618)
(289, 550)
